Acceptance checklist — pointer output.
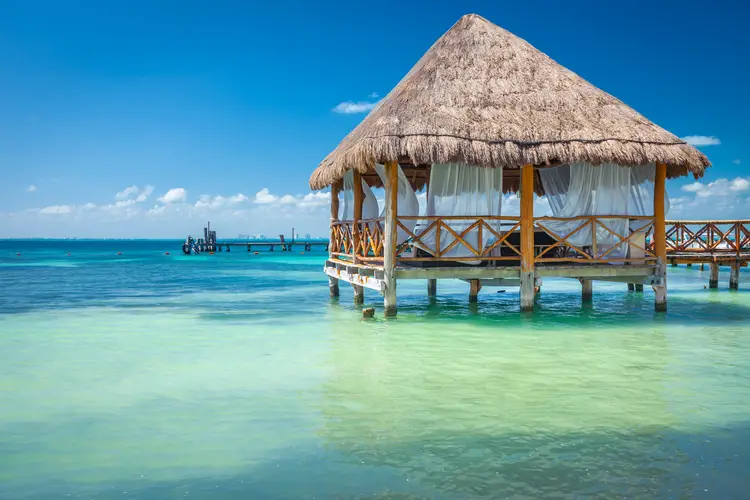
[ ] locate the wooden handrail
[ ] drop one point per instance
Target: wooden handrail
(721, 237)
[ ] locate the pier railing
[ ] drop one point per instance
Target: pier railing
(708, 236)
(607, 239)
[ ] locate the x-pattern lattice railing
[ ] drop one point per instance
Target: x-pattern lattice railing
(601, 242)
(483, 237)
(342, 238)
(728, 236)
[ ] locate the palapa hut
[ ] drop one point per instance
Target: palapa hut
(481, 114)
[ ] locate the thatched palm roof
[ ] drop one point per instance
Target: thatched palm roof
(483, 96)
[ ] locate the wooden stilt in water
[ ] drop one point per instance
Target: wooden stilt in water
(359, 195)
(713, 279)
(689, 266)
(333, 286)
(431, 287)
(359, 294)
(527, 237)
(660, 238)
(389, 257)
(631, 287)
(333, 283)
(639, 287)
(587, 290)
(476, 285)
(703, 267)
(734, 275)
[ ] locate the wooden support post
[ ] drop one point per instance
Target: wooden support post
(587, 290)
(431, 287)
(359, 294)
(333, 283)
(689, 265)
(702, 267)
(639, 287)
(333, 286)
(334, 216)
(734, 275)
(359, 196)
(476, 285)
(660, 237)
(527, 238)
(389, 248)
(713, 279)
(631, 287)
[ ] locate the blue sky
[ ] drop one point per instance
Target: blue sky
(221, 110)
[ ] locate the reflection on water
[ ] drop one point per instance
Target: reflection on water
(128, 380)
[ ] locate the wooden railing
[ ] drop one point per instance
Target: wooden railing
(606, 236)
(705, 236)
(433, 238)
(495, 238)
(486, 238)
(342, 238)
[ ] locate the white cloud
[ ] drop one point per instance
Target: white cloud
(739, 184)
(702, 140)
(736, 162)
(719, 199)
(238, 198)
(172, 215)
(56, 210)
(374, 95)
(127, 193)
(156, 210)
(174, 195)
(206, 201)
(318, 199)
(31, 188)
(719, 187)
(265, 197)
(144, 193)
(351, 107)
(309, 201)
(134, 192)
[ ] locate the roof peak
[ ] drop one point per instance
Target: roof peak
(483, 95)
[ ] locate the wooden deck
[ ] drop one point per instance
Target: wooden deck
(356, 252)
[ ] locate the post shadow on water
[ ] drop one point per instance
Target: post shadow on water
(607, 308)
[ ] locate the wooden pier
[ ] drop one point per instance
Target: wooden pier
(706, 243)
(210, 244)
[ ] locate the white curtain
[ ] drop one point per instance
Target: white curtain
(407, 203)
(607, 189)
(369, 204)
(467, 191)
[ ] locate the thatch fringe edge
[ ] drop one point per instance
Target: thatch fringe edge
(420, 149)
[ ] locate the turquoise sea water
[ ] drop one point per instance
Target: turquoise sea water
(148, 375)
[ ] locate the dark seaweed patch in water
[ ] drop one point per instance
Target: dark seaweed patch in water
(647, 463)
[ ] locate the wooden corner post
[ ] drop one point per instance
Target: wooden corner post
(333, 283)
(527, 237)
(359, 196)
(389, 250)
(660, 237)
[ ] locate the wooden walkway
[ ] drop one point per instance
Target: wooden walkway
(713, 242)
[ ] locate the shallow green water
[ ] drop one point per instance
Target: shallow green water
(234, 376)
